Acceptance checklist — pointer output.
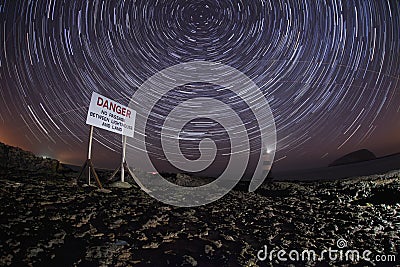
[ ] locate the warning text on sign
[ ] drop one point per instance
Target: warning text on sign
(109, 115)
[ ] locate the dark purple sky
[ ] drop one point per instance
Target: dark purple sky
(329, 69)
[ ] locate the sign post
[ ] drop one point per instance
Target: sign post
(109, 115)
(90, 149)
(123, 158)
(88, 166)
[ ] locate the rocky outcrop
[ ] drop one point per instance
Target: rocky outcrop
(186, 180)
(354, 157)
(14, 159)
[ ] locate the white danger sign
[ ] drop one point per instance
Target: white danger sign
(109, 115)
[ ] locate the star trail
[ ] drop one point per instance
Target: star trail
(329, 70)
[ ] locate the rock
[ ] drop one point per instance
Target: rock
(89, 185)
(189, 260)
(15, 159)
(182, 179)
(208, 249)
(6, 260)
(188, 181)
(33, 252)
(125, 255)
(121, 185)
(142, 237)
(357, 156)
(121, 242)
(104, 191)
(228, 237)
(151, 245)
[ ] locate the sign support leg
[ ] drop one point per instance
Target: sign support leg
(88, 166)
(123, 158)
(90, 151)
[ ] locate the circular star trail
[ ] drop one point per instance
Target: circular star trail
(329, 69)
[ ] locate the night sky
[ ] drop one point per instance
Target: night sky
(330, 70)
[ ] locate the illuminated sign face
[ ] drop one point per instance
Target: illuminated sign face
(109, 115)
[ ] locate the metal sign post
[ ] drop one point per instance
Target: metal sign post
(88, 166)
(90, 149)
(123, 158)
(124, 165)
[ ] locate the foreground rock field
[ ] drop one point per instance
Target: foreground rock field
(50, 221)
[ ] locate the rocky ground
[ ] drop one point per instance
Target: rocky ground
(48, 220)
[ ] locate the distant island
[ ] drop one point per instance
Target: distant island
(354, 157)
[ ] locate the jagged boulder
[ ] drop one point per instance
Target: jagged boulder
(354, 157)
(189, 181)
(16, 159)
